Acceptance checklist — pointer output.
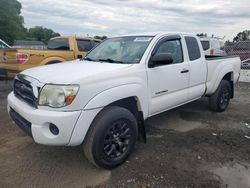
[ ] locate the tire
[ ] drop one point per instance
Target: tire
(219, 101)
(111, 137)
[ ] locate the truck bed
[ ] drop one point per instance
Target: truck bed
(217, 66)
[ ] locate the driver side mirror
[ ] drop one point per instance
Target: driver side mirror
(160, 59)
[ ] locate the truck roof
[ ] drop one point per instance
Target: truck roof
(153, 34)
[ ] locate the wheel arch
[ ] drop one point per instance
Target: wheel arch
(52, 60)
(129, 95)
(133, 105)
(230, 78)
(226, 74)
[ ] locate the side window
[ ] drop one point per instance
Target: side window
(172, 47)
(58, 44)
(84, 45)
(193, 48)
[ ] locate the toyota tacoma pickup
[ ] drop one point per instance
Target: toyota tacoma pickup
(102, 100)
(59, 49)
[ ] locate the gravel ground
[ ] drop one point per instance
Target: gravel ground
(245, 75)
(187, 147)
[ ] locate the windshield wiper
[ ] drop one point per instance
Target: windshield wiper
(87, 59)
(110, 61)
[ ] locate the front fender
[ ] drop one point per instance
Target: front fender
(120, 92)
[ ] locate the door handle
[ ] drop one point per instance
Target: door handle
(185, 71)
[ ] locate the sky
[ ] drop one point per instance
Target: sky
(223, 18)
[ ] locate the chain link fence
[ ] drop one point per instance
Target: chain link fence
(241, 49)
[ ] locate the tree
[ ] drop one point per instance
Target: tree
(41, 34)
(202, 34)
(242, 36)
(229, 43)
(11, 22)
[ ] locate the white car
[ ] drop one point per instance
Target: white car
(213, 46)
(101, 101)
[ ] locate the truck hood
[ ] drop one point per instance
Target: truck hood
(72, 72)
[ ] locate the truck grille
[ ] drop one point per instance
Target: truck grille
(24, 91)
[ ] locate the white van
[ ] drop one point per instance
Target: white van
(213, 46)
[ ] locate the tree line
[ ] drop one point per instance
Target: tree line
(12, 25)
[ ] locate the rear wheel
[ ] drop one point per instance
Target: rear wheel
(111, 137)
(219, 101)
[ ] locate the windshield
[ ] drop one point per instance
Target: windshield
(127, 50)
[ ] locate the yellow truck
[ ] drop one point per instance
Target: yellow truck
(59, 49)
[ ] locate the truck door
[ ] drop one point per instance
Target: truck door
(198, 68)
(168, 84)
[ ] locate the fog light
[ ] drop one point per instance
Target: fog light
(53, 129)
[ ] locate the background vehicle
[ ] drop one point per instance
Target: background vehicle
(3, 44)
(103, 99)
(213, 46)
(59, 49)
(242, 49)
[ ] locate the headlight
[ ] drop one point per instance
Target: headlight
(57, 96)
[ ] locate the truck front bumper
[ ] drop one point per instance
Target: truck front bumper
(37, 123)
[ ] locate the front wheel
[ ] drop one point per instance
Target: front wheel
(219, 101)
(111, 137)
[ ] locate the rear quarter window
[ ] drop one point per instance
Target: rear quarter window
(205, 45)
(193, 48)
(58, 44)
(84, 45)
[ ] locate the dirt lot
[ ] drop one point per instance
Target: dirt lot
(187, 147)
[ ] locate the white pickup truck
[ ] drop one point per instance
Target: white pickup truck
(102, 100)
